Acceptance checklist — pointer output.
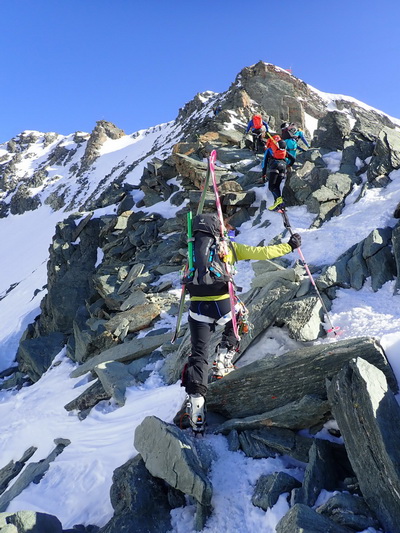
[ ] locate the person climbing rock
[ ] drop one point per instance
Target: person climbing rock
(275, 163)
(210, 306)
(257, 126)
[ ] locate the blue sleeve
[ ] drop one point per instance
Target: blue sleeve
(266, 125)
(265, 160)
(301, 135)
(249, 125)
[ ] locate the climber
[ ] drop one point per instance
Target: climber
(292, 133)
(258, 127)
(275, 162)
(217, 109)
(210, 306)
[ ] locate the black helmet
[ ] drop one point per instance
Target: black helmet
(282, 144)
(284, 125)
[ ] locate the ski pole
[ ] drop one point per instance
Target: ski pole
(333, 329)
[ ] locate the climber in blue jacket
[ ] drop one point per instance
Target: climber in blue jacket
(292, 135)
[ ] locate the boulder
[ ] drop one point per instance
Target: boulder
(302, 519)
(141, 502)
(307, 412)
(368, 416)
(348, 510)
(33, 473)
(35, 356)
(29, 522)
(323, 471)
(128, 351)
(12, 469)
(272, 377)
(170, 454)
(269, 487)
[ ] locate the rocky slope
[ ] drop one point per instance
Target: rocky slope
(107, 312)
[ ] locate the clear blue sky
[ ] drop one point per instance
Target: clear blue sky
(68, 63)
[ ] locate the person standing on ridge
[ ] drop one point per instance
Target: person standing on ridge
(258, 126)
(275, 162)
(210, 306)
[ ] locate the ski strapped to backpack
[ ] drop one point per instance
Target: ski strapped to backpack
(208, 250)
(183, 288)
(335, 330)
(224, 241)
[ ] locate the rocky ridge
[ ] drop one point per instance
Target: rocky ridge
(102, 311)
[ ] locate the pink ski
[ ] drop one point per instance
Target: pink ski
(232, 296)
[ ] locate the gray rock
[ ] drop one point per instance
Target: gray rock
(367, 412)
(128, 351)
(170, 455)
(140, 501)
(349, 511)
(254, 448)
(35, 356)
(134, 319)
(322, 472)
(32, 473)
(115, 378)
(12, 469)
(302, 519)
(378, 258)
(269, 487)
(89, 398)
(29, 522)
(332, 130)
(284, 442)
(134, 272)
(303, 318)
(304, 413)
(234, 395)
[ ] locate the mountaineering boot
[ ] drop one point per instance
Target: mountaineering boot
(196, 409)
(222, 364)
(278, 203)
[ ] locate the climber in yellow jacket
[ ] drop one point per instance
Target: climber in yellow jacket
(210, 306)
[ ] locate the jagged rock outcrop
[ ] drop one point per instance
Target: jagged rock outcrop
(29, 522)
(302, 518)
(233, 396)
(141, 502)
(108, 286)
(367, 412)
(371, 257)
(33, 473)
(170, 455)
(104, 130)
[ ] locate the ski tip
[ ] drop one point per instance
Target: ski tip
(335, 331)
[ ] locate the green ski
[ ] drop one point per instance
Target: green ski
(188, 267)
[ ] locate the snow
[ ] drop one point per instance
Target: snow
(76, 486)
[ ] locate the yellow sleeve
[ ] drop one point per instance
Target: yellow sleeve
(244, 251)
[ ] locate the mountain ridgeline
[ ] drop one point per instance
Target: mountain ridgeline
(99, 310)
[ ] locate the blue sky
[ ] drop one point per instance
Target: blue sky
(67, 64)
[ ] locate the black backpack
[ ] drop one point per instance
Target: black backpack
(209, 275)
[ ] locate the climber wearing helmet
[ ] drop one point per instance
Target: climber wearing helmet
(276, 160)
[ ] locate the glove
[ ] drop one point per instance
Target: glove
(295, 241)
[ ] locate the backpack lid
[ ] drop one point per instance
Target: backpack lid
(207, 223)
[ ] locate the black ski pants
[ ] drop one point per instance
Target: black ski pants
(276, 174)
(196, 372)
